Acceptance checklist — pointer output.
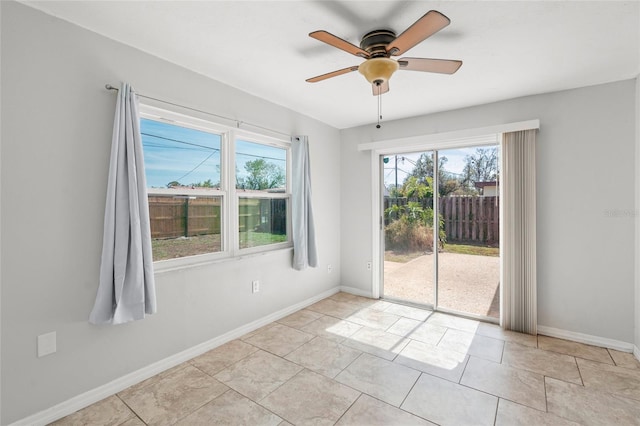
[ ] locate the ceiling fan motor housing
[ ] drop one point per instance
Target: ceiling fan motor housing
(375, 42)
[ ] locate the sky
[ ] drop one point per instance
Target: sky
(455, 163)
(189, 156)
(174, 153)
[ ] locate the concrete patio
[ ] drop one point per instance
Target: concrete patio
(467, 283)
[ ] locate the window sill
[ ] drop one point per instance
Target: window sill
(170, 265)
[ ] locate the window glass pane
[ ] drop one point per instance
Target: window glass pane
(260, 167)
(184, 225)
(262, 221)
(179, 157)
(181, 166)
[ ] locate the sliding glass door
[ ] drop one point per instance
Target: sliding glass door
(441, 230)
(408, 227)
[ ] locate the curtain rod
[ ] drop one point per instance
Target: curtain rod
(238, 122)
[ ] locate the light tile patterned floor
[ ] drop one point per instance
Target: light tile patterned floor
(349, 360)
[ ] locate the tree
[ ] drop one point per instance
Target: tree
(262, 175)
(412, 188)
(481, 166)
(206, 184)
(423, 172)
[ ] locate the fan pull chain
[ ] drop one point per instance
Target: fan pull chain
(379, 85)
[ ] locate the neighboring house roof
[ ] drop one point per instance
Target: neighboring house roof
(484, 184)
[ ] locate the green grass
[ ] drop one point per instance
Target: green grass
(201, 244)
(255, 239)
(477, 250)
(472, 249)
(181, 247)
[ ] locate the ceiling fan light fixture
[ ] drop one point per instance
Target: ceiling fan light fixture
(378, 69)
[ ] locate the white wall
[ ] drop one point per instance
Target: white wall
(637, 213)
(56, 134)
(585, 168)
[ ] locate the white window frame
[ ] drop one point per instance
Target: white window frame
(230, 244)
(239, 193)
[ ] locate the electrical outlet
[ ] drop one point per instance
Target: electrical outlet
(255, 286)
(369, 266)
(46, 344)
(329, 269)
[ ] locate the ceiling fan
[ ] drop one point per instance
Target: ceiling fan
(378, 46)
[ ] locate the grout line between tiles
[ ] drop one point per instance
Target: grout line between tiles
(132, 410)
(349, 408)
(260, 405)
(464, 370)
(546, 402)
(412, 386)
(443, 334)
(199, 407)
(579, 371)
(280, 385)
(610, 357)
(495, 415)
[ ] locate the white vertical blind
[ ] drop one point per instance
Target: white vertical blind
(518, 243)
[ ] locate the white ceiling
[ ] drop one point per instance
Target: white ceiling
(509, 49)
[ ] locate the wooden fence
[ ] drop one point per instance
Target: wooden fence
(173, 217)
(471, 219)
(263, 215)
(466, 218)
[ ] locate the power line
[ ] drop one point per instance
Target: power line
(179, 141)
(215, 150)
(157, 145)
(203, 146)
(260, 156)
(192, 170)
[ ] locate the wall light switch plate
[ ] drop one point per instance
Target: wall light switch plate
(46, 344)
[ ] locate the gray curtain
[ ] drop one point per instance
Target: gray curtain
(126, 291)
(304, 236)
(519, 311)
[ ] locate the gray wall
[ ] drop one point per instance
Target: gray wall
(585, 167)
(56, 135)
(56, 126)
(637, 212)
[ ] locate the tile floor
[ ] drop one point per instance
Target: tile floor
(348, 360)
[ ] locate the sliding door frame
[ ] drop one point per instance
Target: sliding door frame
(484, 136)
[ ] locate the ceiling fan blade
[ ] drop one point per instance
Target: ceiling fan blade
(432, 22)
(379, 90)
(339, 43)
(442, 66)
(332, 74)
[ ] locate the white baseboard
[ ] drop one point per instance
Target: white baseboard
(355, 291)
(636, 352)
(588, 339)
(94, 395)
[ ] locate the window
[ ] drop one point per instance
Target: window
(261, 184)
(194, 209)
